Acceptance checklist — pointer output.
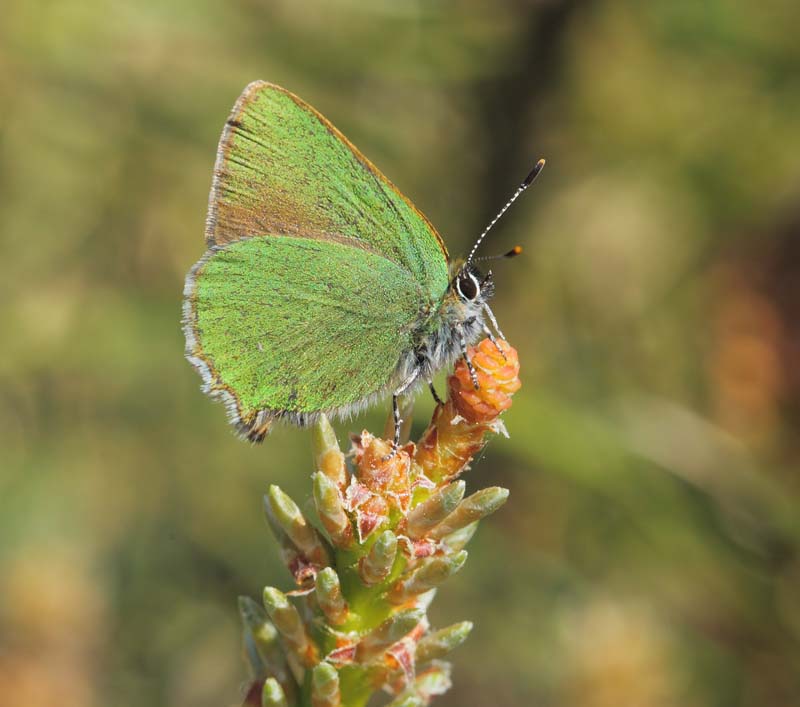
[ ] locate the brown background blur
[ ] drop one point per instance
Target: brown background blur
(648, 555)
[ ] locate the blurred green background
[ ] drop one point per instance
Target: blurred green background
(648, 556)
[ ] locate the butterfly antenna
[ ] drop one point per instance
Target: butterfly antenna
(521, 188)
(515, 251)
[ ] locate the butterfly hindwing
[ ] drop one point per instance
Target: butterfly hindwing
(294, 326)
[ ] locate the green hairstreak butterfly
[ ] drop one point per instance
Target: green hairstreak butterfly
(323, 288)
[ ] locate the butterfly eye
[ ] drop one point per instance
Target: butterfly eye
(467, 286)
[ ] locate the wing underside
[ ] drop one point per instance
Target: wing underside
(282, 168)
(317, 273)
(284, 326)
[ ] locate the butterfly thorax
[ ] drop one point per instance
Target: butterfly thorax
(456, 322)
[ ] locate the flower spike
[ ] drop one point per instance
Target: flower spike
(387, 528)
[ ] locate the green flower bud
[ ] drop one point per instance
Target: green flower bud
(272, 694)
(388, 633)
(477, 506)
(288, 622)
(439, 643)
(377, 563)
(284, 513)
(325, 686)
(328, 458)
(433, 511)
(428, 574)
(328, 501)
(329, 597)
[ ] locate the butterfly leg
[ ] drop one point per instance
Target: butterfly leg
(496, 326)
(435, 395)
(465, 355)
(404, 386)
(491, 337)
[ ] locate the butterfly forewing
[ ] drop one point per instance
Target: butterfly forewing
(282, 168)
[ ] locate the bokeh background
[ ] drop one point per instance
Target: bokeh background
(648, 556)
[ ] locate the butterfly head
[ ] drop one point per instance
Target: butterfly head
(468, 294)
(472, 287)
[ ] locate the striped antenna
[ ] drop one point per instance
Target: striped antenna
(521, 188)
(514, 252)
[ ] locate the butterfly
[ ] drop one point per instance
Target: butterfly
(323, 288)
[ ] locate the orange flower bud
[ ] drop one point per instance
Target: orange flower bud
(457, 430)
(497, 371)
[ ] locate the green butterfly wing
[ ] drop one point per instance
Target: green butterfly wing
(294, 326)
(319, 271)
(283, 169)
